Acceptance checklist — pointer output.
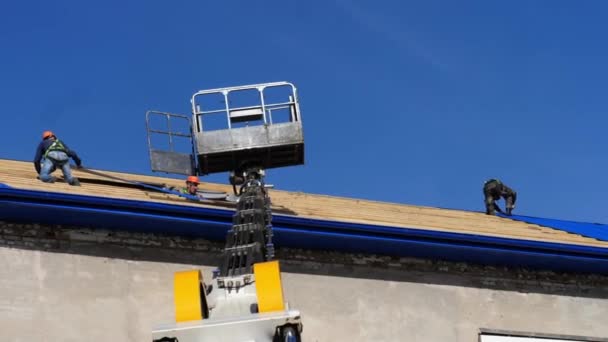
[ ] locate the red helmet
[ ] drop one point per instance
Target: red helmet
(47, 134)
(192, 179)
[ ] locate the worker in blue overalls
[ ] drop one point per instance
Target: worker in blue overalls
(51, 154)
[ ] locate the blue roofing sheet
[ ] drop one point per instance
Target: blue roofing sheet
(592, 230)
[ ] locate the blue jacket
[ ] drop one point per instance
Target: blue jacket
(44, 145)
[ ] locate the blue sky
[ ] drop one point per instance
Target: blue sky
(402, 101)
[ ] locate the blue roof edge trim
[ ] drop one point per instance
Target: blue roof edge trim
(290, 231)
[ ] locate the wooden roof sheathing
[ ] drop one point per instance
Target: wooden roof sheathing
(21, 175)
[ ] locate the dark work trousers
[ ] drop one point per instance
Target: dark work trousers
(491, 193)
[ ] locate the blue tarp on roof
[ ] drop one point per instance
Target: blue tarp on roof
(592, 230)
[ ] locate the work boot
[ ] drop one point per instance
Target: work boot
(75, 182)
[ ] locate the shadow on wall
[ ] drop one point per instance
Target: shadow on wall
(182, 250)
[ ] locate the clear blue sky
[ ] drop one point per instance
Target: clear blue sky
(402, 101)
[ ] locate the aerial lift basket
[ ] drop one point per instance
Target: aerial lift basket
(231, 127)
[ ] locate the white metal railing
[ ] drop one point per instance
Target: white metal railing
(261, 111)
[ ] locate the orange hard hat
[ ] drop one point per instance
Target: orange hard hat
(192, 179)
(47, 134)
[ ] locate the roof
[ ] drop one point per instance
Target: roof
(343, 223)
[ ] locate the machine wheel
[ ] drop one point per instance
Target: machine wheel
(167, 339)
(287, 333)
(290, 335)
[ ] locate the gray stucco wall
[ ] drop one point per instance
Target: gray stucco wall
(62, 284)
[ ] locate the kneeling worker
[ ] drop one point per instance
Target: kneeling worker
(493, 190)
(53, 153)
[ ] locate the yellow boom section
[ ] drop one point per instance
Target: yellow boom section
(187, 296)
(268, 286)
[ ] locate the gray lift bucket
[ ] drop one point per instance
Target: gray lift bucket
(256, 124)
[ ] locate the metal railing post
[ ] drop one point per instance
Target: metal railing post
(169, 132)
(261, 90)
(225, 92)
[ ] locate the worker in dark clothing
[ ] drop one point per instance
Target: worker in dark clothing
(493, 190)
(51, 154)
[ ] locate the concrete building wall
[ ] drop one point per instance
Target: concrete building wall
(61, 284)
